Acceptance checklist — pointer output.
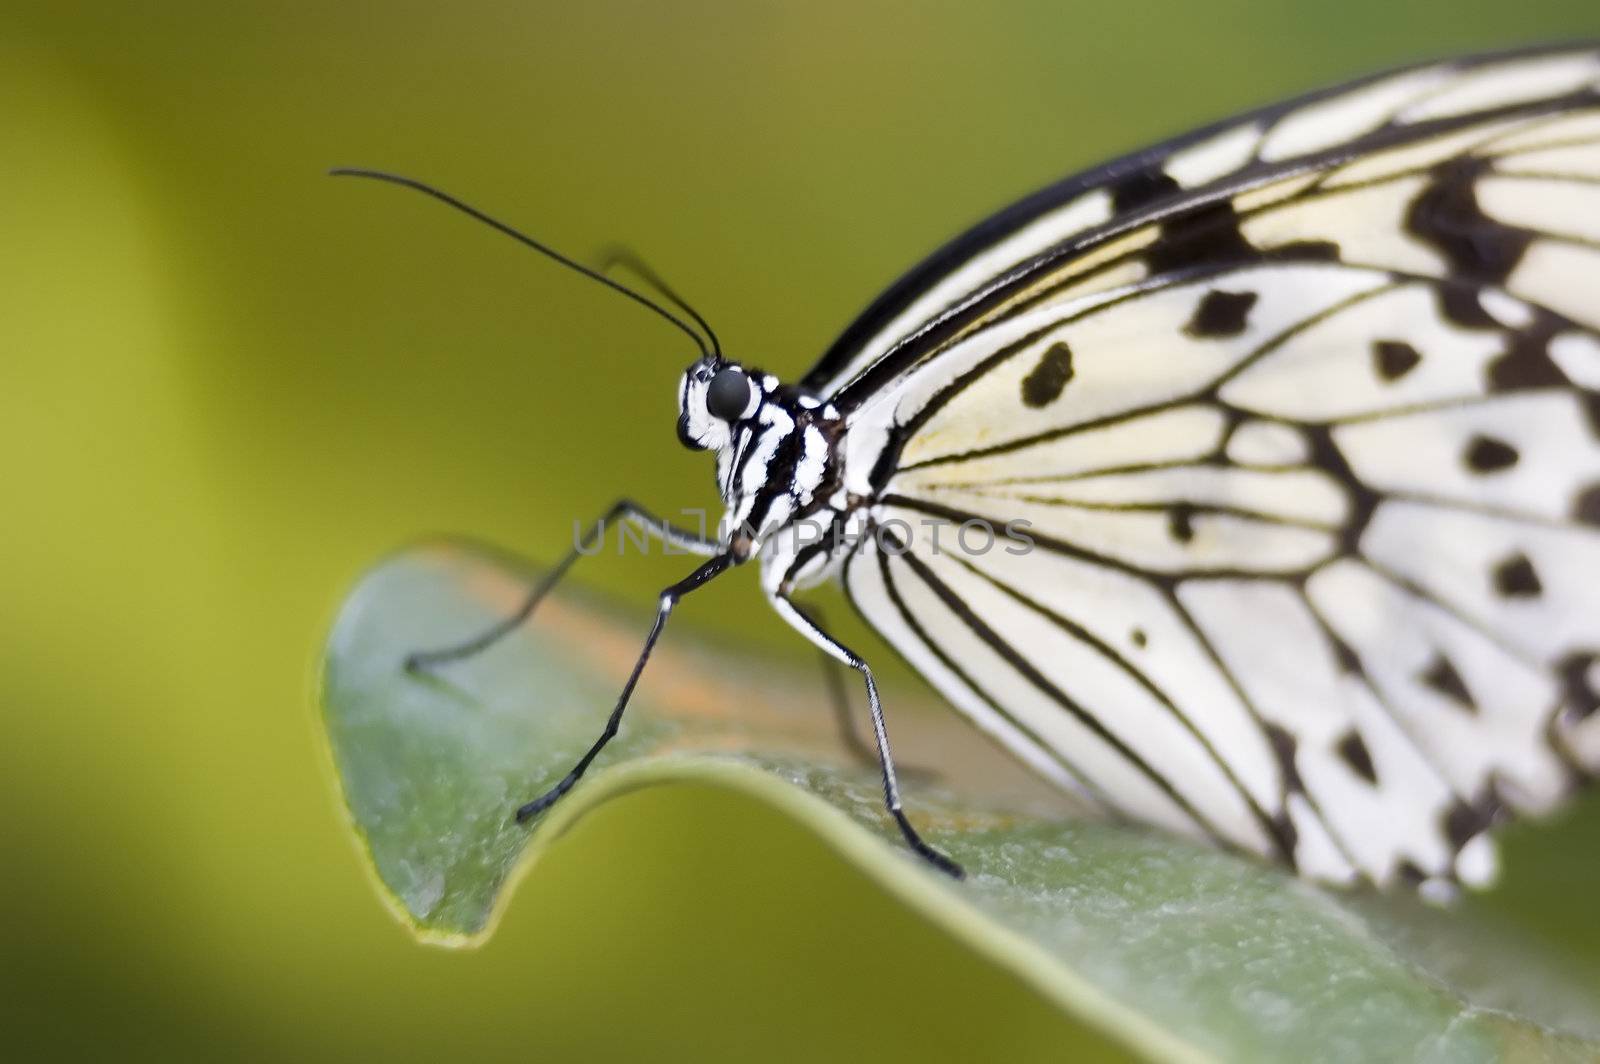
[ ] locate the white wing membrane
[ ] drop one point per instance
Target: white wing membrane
(1508, 82)
(1368, 359)
(1528, 453)
(1502, 575)
(1114, 369)
(1379, 798)
(1478, 711)
(1311, 475)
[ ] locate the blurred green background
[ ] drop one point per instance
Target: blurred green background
(227, 383)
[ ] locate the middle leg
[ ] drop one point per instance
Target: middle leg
(891, 787)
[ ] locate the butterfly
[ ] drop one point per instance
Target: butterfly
(1285, 439)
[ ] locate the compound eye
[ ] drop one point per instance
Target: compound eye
(728, 395)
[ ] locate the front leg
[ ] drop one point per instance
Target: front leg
(669, 598)
(622, 509)
(891, 787)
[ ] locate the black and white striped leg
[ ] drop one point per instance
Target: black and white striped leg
(669, 598)
(622, 509)
(891, 788)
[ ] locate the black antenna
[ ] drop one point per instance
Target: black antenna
(618, 255)
(523, 238)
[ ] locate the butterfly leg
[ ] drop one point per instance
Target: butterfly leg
(622, 509)
(669, 598)
(891, 787)
(839, 698)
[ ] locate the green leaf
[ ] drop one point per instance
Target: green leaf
(1174, 951)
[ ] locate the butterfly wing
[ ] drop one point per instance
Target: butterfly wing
(954, 287)
(1303, 422)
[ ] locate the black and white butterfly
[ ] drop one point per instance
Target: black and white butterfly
(1301, 415)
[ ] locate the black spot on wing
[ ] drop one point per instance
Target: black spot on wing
(1461, 305)
(1488, 454)
(1446, 217)
(1305, 251)
(1288, 836)
(1044, 384)
(1527, 362)
(1180, 522)
(1283, 747)
(1206, 236)
(1591, 411)
(1442, 677)
(1139, 638)
(1464, 821)
(1355, 754)
(1580, 699)
(1393, 359)
(1349, 661)
(1409, 874)
(1515, 577)
(1142, 189)
(1221, 314)
(1586, 507)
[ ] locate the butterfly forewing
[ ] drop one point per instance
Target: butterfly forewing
(1303, 413)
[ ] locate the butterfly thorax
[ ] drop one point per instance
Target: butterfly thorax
(779, 459)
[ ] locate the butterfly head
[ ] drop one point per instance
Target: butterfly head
(713, 397)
